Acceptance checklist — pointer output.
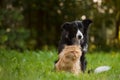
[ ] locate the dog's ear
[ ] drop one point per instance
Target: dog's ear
(86, 22)
(65, 26)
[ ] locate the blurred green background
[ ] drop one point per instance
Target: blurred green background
(35, 24)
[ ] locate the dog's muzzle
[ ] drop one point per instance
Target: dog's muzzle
(79, 35)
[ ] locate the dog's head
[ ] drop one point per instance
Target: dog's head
(76, 30)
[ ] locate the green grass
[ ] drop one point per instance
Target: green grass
(39, 65)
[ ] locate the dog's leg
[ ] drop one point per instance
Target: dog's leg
(83, 62)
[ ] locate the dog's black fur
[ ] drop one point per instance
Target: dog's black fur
(68, 37)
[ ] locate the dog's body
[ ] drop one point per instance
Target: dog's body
(69, 59)
(75, 32)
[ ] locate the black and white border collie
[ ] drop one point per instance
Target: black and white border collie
(76, 32)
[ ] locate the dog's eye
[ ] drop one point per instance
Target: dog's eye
(74, 29)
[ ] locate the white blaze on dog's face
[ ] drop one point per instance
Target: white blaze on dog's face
(80, 26)
(79, 34)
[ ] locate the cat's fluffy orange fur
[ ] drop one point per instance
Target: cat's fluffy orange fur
(69, 59)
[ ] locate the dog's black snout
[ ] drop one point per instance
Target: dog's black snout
(79, 37)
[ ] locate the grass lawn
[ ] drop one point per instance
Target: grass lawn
(39, 65)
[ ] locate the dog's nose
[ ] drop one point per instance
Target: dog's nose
(79, 37)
